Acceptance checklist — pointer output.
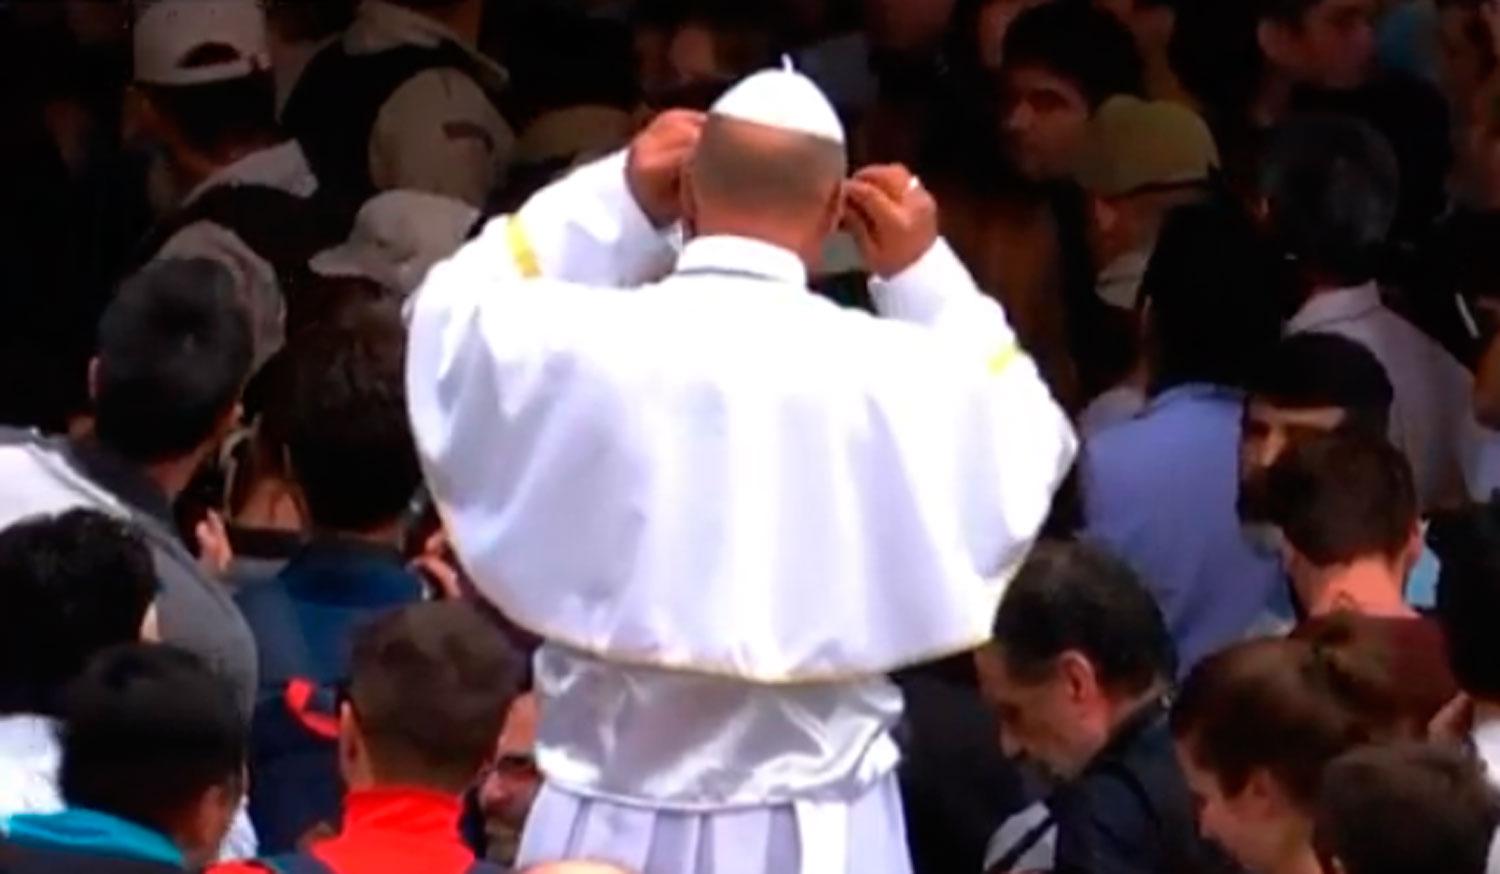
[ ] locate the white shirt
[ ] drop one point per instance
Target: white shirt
(1432, 420)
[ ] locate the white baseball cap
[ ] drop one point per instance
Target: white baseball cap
(229, 35)
(397, 237)
(782, 99)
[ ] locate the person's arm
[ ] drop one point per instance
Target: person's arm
(1027, 442)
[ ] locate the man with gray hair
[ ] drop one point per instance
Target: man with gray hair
(680, 487)
(1331, 188)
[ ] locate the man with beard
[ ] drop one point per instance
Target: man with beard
(1078, 674)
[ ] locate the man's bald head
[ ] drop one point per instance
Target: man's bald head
(766, 182)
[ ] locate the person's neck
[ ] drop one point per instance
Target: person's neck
(1367, 586)
(771, 235)
(1302, 860)
(1270, 105)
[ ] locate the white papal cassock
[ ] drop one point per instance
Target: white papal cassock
(731, 508)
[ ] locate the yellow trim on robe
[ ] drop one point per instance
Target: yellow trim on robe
(1004, 359)
(521, 250)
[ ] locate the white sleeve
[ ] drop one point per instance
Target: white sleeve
(1019, 443)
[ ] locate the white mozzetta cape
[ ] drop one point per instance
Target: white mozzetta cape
(721, 472)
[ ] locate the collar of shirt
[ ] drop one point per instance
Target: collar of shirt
(283, 167)
(124, 479)
(381, 25)
(1331, 307)
(742, 258)
(1189, 391)
(394, 824)
(93, 832)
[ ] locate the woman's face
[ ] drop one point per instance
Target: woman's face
(1256, 826)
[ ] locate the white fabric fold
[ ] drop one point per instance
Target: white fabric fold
(711, 476)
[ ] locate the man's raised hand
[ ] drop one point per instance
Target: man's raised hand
(657, 158)
(892, 217)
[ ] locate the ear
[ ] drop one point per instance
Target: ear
(1106, 215)
(1263, 795)
(94, 379)
(354, 758)
(1080, 681)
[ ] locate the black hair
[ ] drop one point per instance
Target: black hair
(1407, 808)
(147, 730)
(1087, 46)
(349, 439)
(1212, 286)
(174, 352)
(70, 586)
(430, 685)
(1289, 12)
(1332, 185)
(1307, 371)
(1070, 596)
(1343, 496)
(216, 116)
(1468, 595)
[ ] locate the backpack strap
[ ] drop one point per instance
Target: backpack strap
(294, 863)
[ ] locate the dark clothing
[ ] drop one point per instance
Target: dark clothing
(1131, 812)
(259, 554)
(957, 787)
(80, 841)
(304, 622)
(1456, 264)
(386, 831)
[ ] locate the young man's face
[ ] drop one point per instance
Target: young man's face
(1045, 118)
(1234, 822)
(1333, 46)
(1266, 432)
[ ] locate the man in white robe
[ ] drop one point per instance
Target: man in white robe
(729, 506)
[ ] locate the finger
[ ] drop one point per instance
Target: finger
(893, 179)
(879, 207)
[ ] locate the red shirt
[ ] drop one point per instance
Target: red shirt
(395, 830)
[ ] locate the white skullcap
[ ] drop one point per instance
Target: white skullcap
(168, 32)
(782, 99)
(398, 236)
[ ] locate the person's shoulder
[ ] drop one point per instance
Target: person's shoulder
(1397, 89)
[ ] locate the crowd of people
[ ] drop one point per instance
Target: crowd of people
(714, 437)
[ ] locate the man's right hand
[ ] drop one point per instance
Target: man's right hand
(657, 158)
(892, 217)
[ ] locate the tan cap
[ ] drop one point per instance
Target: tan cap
(231, 34)
(1133, 144)
(398, 236)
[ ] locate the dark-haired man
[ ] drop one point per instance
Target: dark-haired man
(1078, 674)
(354, 468)
(429, 688)
(70, 586)
(232, 188)
(152, 770)
(174, 352)
(1406, 809)
(1331, 190)
(1346, 510)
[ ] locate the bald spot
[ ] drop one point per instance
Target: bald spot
(751, 168)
